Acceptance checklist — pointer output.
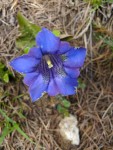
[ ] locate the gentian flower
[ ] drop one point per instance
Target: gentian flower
(53, 66)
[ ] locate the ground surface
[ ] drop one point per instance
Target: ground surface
(92, 105)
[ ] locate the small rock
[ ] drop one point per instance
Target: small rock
(69, 130)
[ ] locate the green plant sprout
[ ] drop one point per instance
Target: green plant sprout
(63, 106)
(107, 41)
(81, 84)
(9, 126)
(97, 3)
(5, 74)
(28, 32)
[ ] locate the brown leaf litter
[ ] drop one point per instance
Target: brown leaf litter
(93, 105)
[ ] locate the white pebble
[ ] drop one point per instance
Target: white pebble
(69, 129)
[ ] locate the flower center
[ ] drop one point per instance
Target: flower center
(48, 61)
(51, 66)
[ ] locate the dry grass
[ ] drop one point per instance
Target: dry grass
(93, 105)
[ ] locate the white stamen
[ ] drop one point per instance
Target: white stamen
(48, 61)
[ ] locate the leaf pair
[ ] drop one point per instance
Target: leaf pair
(63, 106)
(28, 32)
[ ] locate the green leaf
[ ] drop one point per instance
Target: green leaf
(62, 110)
(28, 32)
(26, 50)
(26, 27)
(18, 96)
(16, 126)
(56, 32)
(6, 117)
(25, 42)
(109, 1)
(6, 77)
(21, 115)
(107, 41)
(2, 71)
(5, 74)
(1, 66)
(81, 84)
(66, 103)
(7, 130)
(95, 3)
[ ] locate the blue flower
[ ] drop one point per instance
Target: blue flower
(52, 66)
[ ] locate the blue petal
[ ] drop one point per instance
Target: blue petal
(24, 64)
(47, 41)
(52, 89)
(72, 72)
(38, 88)
(36, 52)
(30, 78)
(64, 47)
(75, 57)
(66, 85)
(62, 85)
